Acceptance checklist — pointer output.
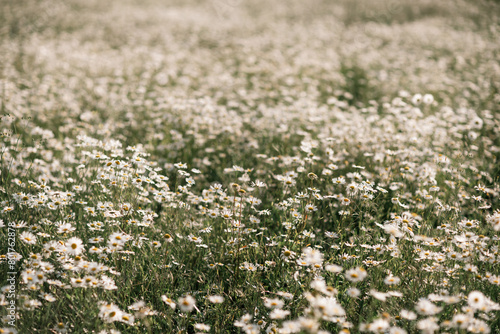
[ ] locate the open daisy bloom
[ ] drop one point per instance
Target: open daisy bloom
(250, 166)
(74, 246)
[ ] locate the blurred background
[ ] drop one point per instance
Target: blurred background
(112, 56)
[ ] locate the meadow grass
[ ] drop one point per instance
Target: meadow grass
(249, 167)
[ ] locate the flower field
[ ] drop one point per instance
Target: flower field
(231, 166)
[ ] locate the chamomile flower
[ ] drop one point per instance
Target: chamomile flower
(186, 303)
(194, 239)
(61, 328)
(110, 312)
(426, 307)
(273, 303)
(333, 268)
(287, 255)
(28, 238)
(216, 299)
(311, 208)
(278, 313)
(202, 327)
(169, 302)
(356, 274)
(74, 246)
(476, 300)
(392, 280)
(353, 292)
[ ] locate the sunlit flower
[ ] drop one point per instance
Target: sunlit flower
(356, 274)
(216, 299)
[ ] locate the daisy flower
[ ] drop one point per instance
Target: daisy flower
(379, 326)
(186, 303)
(194, 239)
(392, 280)
(65, 228)
(273, 303)
(169, 302)
(426, 307)
(74, 246)
(28, 238)
(333, 268)
(356, 274)
(202, 327)
(353, 292)
(311, 208)
(287, 254)
(110, 312)
(476, 300)
(127, 318)
(279, 314)
(216, 299)
(60, 327)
